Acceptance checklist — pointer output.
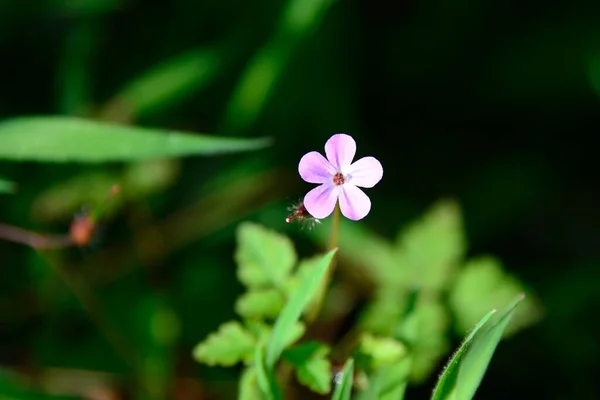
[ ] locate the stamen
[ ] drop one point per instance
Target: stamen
(338, 179)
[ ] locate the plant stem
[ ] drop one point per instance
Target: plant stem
(335, 228)
(313, 313)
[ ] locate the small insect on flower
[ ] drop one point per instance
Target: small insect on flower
(339, 179)
(299, 214)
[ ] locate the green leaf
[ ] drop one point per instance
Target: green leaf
(294, 308)
(228, 346)
(248, 388)
(6, 186)
(265, 258)
(382, 351)
(168, 82)
(483, 284)
(424, 331)
(305, 268)
(475, 362)
(70, 139)
(389, 382)
(260, 304)
(431, 247)
(263, 332)
(447, 381)
(344, 381)
(313, 369)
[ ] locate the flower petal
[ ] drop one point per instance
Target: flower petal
(340, 150)
(315, 168)
(320, 201)
(365, 172)
(354, 203)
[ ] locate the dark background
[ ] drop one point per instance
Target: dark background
(493, 103)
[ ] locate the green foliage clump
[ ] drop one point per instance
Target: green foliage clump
(422, 288)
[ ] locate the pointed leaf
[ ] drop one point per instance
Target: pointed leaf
(344, 382)
(447, 381)
(70, 139)
(305, 268)
(265, 258)
(260, 304)
(294, 308)
(475, 362)
(228, 346)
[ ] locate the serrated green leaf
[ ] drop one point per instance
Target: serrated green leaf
(382, 351)
(6, 186)
(382, 314)
(70, 139)
(474, 363)
(483, 284)
(265, 258)
(260, 304)
(344, 382)
(248, 388)
(263, 332)
(316, 374)
(292, 311)
(228, 346)
(424, 331)
(389, 382)
(447, 381)
(313, 369)
(431, 247)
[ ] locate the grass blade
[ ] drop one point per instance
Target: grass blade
(69, 139)
(343, 386)
(479, 355)
(293, 309)
(447, 381)
(466, 369)
(265, 378)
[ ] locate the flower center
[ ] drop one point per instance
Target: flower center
(338, 179)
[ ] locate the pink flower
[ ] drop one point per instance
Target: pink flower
(340, 179)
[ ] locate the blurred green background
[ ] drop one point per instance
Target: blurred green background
(494, 104)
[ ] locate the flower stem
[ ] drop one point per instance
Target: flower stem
(313, 313)
(335, 228)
